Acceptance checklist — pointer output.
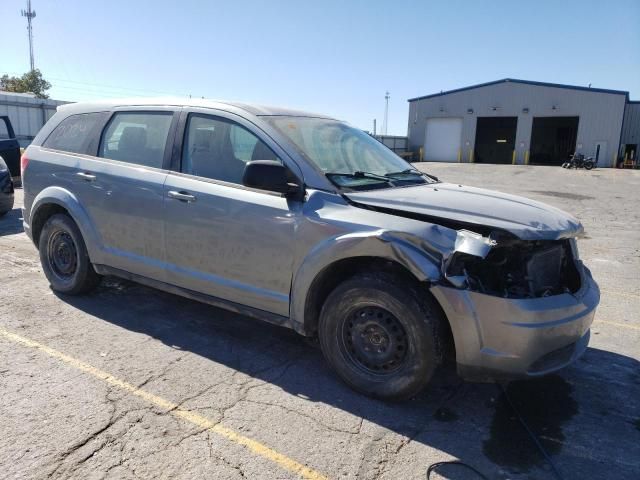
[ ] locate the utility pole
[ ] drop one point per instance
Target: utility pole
(374, 127)
(30, 14)
(386, 113)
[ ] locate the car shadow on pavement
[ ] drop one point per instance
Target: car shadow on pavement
(598, 397)
(11, 223)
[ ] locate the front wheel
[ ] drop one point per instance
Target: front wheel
(381, 336)
(588, 165)
(64, 257)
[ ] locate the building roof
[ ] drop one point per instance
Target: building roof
(16, 94)
(525, 82)
(252, 108)
(28, 99)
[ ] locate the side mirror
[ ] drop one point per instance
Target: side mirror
(268, 175)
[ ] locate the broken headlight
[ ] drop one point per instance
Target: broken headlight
(518, 269)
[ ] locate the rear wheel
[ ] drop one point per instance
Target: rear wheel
(381, 337)
(64, 257)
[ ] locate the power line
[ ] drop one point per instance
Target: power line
(113, 87)
(99, 93)
(102, 89)
(30, 14)
(89, 89)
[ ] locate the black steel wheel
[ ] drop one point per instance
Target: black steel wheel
(382, 335)
(62, 254)
(64, 257)
(375, 340)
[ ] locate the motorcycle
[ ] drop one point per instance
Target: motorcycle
(578, 160)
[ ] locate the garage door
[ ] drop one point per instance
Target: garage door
(442, 142)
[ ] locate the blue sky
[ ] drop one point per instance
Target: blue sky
(334, 57)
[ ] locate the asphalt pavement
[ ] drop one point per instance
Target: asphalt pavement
(129, 382)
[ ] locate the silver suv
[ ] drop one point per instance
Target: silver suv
(303, 221)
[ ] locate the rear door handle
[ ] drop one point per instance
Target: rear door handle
(87, 176)
(182, 196)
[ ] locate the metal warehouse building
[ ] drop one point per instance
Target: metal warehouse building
(27, 114)
(522, 122)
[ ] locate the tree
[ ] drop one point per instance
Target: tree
(30, 82)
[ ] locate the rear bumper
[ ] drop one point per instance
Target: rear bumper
(26, 224)
(503, 338)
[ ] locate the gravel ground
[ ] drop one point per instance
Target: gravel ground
(129, 382)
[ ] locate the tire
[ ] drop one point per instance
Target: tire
(64, 257)
(588, 165)
(376, 312)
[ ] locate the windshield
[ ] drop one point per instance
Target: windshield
(350, 158)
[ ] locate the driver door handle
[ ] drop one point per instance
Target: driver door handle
(182, 196)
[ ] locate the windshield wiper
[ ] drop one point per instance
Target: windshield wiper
(411, 171)
(359, 174)
(408, 171)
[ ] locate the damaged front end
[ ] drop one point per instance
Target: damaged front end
(516, 307)
(508, 267)
(518, 298)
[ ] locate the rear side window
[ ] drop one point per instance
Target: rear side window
(75, 133)
(136, 137)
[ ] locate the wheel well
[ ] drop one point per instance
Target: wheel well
(41, 216)
(336, 273)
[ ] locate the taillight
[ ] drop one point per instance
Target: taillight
(24, 161)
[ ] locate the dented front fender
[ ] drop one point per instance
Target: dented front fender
(422, 248)
(379, 244)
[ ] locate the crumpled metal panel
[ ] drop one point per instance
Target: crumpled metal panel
(524, 218)
(338, 230)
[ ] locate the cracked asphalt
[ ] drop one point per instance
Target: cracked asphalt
(129, 382)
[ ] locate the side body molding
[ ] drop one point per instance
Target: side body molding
(379, 243)
(67, 200)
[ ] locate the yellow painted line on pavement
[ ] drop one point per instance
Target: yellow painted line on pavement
(625, 325)
(254, 446)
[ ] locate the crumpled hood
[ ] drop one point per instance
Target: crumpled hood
(527, 219)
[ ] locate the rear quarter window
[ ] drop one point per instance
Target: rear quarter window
(76, 134)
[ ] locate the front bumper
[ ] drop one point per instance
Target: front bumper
(504, 338)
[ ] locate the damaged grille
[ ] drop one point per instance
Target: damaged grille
(520, 269)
